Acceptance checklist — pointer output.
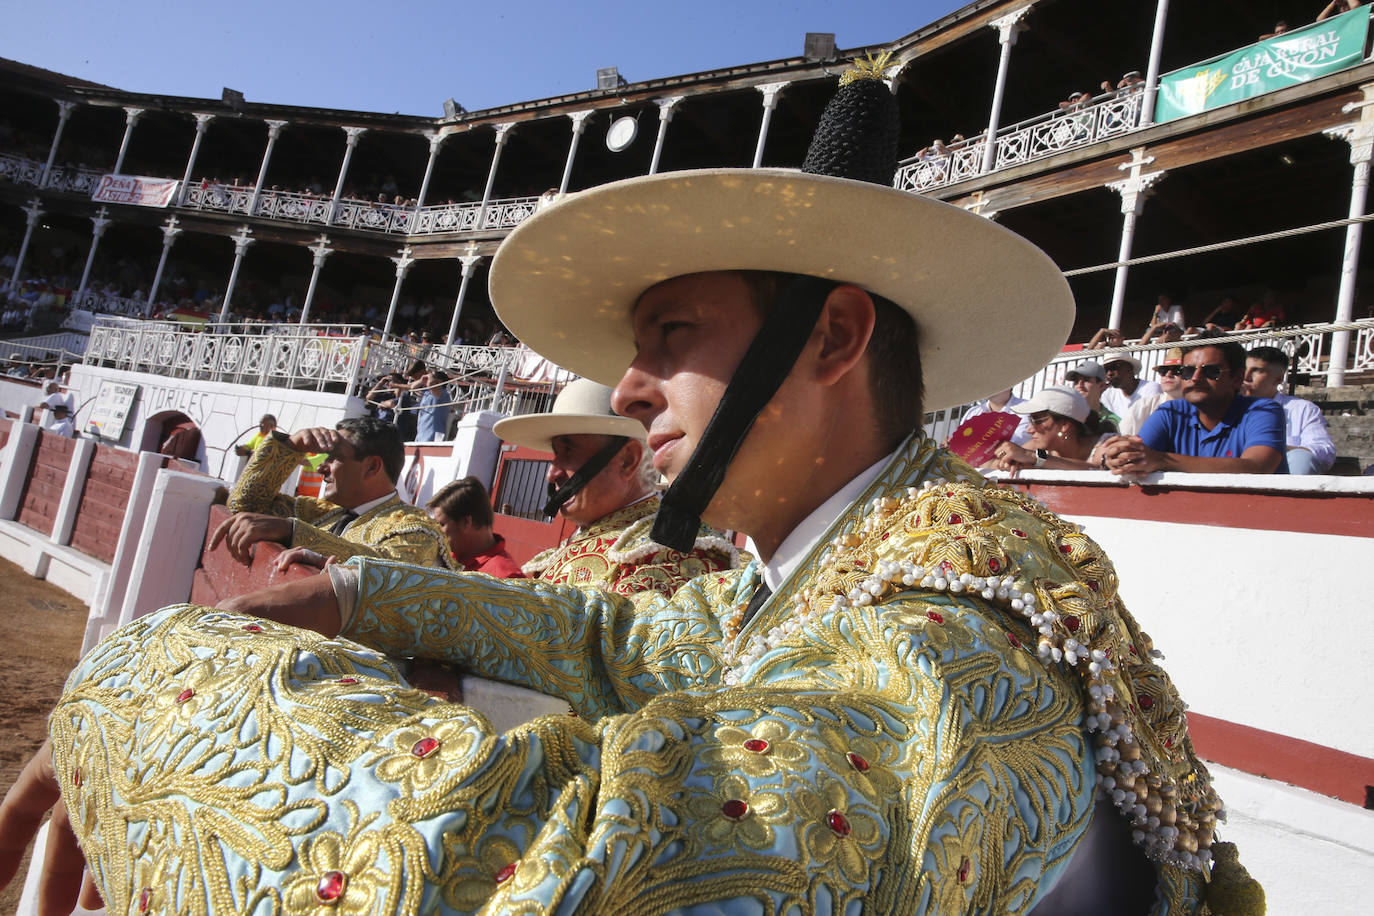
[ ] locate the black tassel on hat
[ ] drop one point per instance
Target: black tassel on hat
(856, 139)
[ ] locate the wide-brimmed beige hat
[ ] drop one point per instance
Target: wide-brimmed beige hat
(991, 308)
(583, 407)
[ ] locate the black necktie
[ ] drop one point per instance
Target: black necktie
(343, 522)
(760, 596)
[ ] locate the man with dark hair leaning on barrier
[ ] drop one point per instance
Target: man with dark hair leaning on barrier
(463, 509)
(907, 706)
(359, 512)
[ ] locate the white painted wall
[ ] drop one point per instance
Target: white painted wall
(1269, 629)
(227, 414)
(1311, 853)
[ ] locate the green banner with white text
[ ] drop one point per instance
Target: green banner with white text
(1284, 60)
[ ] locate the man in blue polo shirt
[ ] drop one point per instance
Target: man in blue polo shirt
(1213, 429)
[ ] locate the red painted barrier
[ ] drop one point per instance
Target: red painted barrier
(52, 455)
(104, 499)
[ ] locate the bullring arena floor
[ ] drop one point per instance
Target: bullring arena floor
(40, 630)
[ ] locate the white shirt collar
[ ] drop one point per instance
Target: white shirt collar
(367, 507)
(802, 538)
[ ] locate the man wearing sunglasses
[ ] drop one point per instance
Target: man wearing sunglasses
(1213, 429)
(1168, 386)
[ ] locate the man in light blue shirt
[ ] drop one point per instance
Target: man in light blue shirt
(431, 414)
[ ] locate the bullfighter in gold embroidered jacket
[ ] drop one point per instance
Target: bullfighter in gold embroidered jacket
(360, 513)
(915, 719)
(602, 479)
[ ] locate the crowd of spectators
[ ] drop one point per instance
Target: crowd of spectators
(1168, 323)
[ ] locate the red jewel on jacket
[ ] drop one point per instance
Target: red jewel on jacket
(347, 680)
(252, 628)
(185, 695)
(1072, 622)
(505, 873)
(838, 823)
(1065, 548)
(1146, 702)
(956, 519)
(935, 616)
(1011, 638)
(965, 868)
(145, 899)
(1018, 532)
(331, 886)
(425, 746)
(757, 745)
(994, 565)
(857, 762)
(735, 809)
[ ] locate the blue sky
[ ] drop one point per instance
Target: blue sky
(409, 56)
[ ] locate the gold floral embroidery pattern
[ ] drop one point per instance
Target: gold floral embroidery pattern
(906, 753)
(615, 554)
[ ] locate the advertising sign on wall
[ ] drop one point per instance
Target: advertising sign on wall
(1284, 60)
(137, 190)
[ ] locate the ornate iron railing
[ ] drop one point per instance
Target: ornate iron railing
(60, 177)
(371, 216)
(1050, 133)
(1311, 343)
(340, 357)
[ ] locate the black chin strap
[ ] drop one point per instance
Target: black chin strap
(574, 484)
(766, 364)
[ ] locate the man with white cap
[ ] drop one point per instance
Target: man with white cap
(1124, 387)
(602, 478)
(909, 721)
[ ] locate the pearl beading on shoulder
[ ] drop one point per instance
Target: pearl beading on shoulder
(1162, 826)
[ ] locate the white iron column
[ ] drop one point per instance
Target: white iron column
(502, 130)
(34, 212)
(242, 239)
(202, 122)
(579, 124)
(170, 231)
(770, 91)
(1147, 104)
(100, 222)
(402, 263)
(131, 116)
(470, 262)
(1008, 27)
(665, 114)
(273, 132)
(435, 141)
(1133, 191)
(1360, 136)
(318, 252)
(353, 134)
(64, 111)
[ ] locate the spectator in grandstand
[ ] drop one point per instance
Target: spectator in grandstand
(432, 407)
(265, 427)
(463, 510)
(1001, 402)
(1090, 380)
(1266, 313)
(1310, 449)
(359, 512)
(1167, 323)
(1336, 7)
(1064, 434)
(1125, 388)
(1224, 317)
(1279, 28)
(1106, 337)
(1170, 387)
(54, 398)
(1213, 429)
